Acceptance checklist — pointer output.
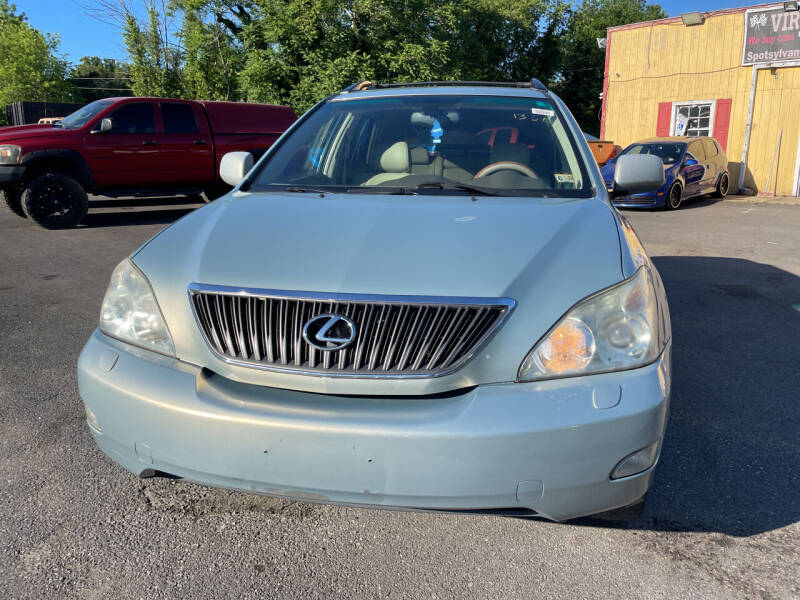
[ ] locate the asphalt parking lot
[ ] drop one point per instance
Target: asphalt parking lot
(722, 520)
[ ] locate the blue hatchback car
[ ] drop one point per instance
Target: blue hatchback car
(692, 167)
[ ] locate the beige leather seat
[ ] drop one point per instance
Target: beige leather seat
(395, 162)
(421, 163)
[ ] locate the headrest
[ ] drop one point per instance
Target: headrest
(419, 156)
(395, 158)
(518, 153)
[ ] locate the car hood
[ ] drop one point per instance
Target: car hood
(21, 132)
(544, 254)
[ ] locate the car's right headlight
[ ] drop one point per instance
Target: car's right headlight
(9, 155)
(130, 311)
(613, 330)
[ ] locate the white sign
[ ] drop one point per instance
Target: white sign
(681, 121)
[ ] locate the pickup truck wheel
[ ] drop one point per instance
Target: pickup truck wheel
(55, 201)
(13, 202)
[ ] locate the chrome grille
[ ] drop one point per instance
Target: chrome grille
(396, 336)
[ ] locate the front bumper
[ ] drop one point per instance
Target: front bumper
(546, 446)
(649, 200)
(9, 175)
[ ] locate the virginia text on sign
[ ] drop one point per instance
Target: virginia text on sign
(771, 35)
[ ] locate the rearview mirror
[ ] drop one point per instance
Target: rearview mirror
(106, 125)
(234, 166)
(637, 173)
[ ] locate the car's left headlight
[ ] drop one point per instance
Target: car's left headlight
(130, 311)
(613, 330)
(9, 155)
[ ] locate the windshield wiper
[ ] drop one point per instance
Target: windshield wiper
(450, 185)
(382, 189)
(304, 190)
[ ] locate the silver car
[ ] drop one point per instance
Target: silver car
(420, 297)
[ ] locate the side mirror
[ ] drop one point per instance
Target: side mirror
(637, 173)
(105, 126)
(690, 162)
(234, 166)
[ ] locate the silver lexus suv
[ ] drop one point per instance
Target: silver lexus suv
(420, 297)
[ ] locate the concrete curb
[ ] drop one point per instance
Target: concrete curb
(784, 200)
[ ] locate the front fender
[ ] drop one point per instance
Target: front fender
(70, 162)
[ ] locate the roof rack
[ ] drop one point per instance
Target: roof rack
(367, 85)
(357, 87)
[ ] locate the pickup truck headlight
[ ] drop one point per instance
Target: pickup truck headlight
(613, 330)
(130, 311)
(9, 155)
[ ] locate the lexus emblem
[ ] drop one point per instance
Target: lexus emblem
(329, 332)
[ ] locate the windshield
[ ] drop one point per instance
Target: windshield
(427, 144)
(83, 115)
(668, 153)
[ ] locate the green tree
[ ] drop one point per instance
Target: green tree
(298, 51)
(96, 78)
(211, 57)
(580, 80)
(154, 63)
(30, 66)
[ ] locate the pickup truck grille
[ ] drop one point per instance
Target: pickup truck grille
(395, 336)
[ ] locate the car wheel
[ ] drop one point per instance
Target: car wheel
(722, 186)
(674, 198)
(12, 199)
(55, 201)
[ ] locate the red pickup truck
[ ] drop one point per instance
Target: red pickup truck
(128, 146)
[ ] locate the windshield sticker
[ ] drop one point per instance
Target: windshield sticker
(543, 112)
(564, 178)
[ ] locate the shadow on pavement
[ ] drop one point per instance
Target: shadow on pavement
(731, 457)
(104, 202)
(120, 212)
(120, 219)
(686, 205)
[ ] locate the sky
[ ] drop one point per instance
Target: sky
(83, 35)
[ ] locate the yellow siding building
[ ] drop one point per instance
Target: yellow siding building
(662, 75)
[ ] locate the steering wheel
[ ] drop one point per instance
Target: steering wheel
(506, 165)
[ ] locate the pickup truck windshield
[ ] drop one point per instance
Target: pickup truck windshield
(83, 115)
(424, 144)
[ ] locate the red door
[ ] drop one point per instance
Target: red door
(128, 154)
(187, 151)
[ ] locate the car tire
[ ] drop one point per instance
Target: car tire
(674, 198)
(55, 201)
(12, 200)
(722, 186)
